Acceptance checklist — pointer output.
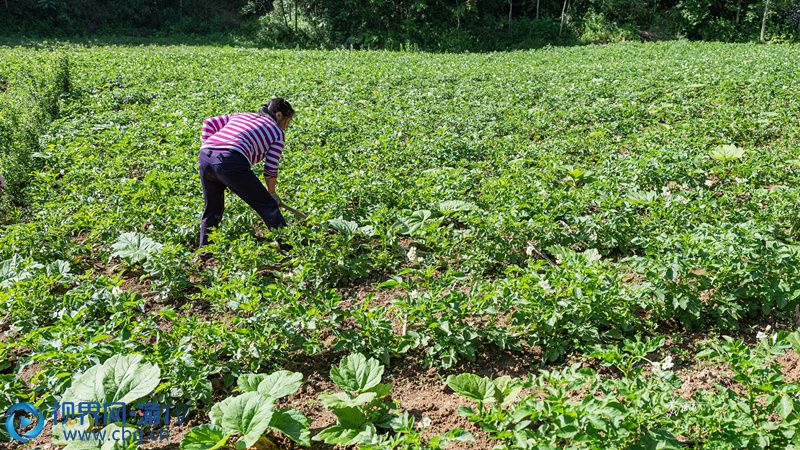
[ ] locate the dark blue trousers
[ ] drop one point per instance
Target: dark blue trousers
(220, 169)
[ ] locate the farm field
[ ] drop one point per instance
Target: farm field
(587, 247)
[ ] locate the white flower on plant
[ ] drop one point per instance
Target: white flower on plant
(545, 285)
(412, 255)
(681, 199)
(529, 249)
(663, 367)
(763, 334)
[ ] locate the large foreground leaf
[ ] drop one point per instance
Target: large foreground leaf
(204, 437)
(248, 414)
(356, 373)
(280, 384)
(122, 378)
(339, 435)
(292, 423)
(473, 387)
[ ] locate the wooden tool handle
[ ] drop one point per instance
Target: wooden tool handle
(297, 213)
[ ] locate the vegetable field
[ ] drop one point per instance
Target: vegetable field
(590, 247)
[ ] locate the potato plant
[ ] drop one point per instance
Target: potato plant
(551, 205)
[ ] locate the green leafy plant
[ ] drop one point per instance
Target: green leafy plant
(250, 414)
(120, 379)
(135, 247)
(361, 408)
(727, 153)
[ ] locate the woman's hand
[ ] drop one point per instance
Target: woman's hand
(270, 184)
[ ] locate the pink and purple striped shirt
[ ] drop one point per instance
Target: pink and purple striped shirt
(255, 136)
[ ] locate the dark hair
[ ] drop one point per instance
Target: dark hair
(277, 105)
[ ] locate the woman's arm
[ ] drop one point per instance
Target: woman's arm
(271, 164)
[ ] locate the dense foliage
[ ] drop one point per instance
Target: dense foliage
(427, 24)
(542, 203)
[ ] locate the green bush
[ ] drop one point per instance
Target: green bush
(28, 108)
(598, 29)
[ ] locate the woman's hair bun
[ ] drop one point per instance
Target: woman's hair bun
(278, 105)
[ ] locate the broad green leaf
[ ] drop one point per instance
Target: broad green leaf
(381, 389)
(785, 406)
(248, 382)
(449, 206)
(215, 414)
(412, 224)
(727, 153)
(135, 247)
(204, 437)
(339, 435)
(350, 417)
(578, 173)
(119, 379)
(248, 414)
(506, 389)
(356, 373)
(473, 387)
(794, 339)
(642, 197)
(81, 444)
(58, 267)
(292, 423)
(459, 435)
(591, 255)
(344, 400)
(346, 227)
(280, 384)
(10, 271)
(7, 270)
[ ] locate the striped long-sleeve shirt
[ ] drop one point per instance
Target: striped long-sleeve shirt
(257, 137)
